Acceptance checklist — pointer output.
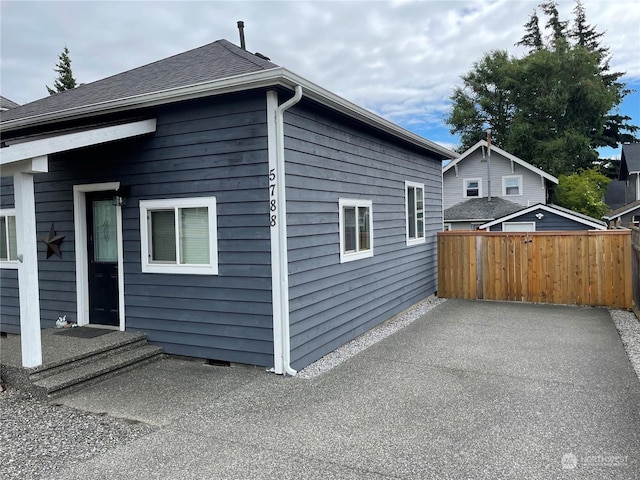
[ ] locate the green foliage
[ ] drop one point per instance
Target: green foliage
(583, 192)
(65, 80)
(552, 106)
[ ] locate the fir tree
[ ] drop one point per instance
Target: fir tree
(533, 37)
(65, 80)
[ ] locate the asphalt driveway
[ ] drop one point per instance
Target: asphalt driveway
(470, 390)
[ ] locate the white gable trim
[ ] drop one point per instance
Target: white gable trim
(70, 141)
(507, 155)
(547, 208)
(624, 212)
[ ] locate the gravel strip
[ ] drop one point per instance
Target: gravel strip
(39, 438)
(369, 338)
(629, 329)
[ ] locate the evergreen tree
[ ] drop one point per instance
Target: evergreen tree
(557, 27)
(65, 80)
(533, 37)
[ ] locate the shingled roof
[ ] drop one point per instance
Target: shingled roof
(217, 60)
(630, 160)
(6, 104)
(480, 209)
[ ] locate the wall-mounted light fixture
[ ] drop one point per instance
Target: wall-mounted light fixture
(540, 216)
(120, 198)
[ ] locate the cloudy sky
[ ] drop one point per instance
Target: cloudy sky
(400, 59)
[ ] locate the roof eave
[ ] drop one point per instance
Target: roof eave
(265, 78)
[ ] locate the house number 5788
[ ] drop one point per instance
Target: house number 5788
(273, 206)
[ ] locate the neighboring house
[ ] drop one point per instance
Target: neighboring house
(625, 216)
(630, 171)
(543, 218)
(469, 215)
(6, 104)
(466, 180)
(224, 205)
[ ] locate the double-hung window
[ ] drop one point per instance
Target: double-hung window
(472, 187)
(179, 236)
(512, 185)
(8, 240)
(356, 229)
(414, 207)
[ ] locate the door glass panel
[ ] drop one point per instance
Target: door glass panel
(105, 241)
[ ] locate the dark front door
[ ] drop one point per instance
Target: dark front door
(102, 246)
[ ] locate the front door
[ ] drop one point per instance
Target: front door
(102, 247)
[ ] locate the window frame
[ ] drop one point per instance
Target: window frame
(533, 224)
(417, 240)
(357, 254)
(465, 188)
(175, 204)
(9, 263)
(504, 186)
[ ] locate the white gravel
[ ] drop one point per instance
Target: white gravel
(629, 329)
(369, 338)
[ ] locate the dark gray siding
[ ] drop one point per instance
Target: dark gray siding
(201, 148)
(331, 303)
(9, 302)
(549, 223)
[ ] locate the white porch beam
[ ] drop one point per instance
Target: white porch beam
(31, 165)
(28, 284)
(71, 141)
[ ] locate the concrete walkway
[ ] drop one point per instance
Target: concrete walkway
(471, 390)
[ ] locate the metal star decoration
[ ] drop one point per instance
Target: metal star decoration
(53, 242)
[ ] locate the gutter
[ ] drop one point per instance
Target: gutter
(278, 230)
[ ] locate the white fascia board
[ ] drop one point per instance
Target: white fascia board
(549, 209)
(507, 155)
(624, 212)
(265, 78)
(71, 141)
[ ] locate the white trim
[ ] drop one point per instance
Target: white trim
(82, 259)
(31, 165)
(624, 212)
(9, 264)
(504, 186)
(562, 212)
(417, 240)
(446, 227)
(274, 77)
(358, 254)
(28, 282)
(637, 186)
(71, 141)
(472, 179)
(505, 224)
(175, 204)
(513, 158)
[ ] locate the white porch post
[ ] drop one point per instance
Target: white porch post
(27, 269)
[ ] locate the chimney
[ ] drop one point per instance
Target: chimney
(241, 29)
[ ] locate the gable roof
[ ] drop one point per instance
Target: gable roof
(555, 209)
(480, 209)
(6, 104)
(507, 155)
(217, 68)
(628, 208)
(630, 160)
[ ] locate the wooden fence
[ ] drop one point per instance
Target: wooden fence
(575, 268)
(635, 270)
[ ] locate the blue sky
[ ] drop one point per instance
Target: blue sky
(399, 58)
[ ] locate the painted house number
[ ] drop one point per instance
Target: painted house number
(273, 206)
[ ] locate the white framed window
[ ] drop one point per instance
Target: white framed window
(356, 229)
(414, 206)
(8, 239)
(511, 185)
(635, 219)
(447, 227)
(518, 226)
(179, 236)
(472, 187)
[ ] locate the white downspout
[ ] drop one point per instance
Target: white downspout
(278, 223)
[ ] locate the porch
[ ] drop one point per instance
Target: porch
(74, 357)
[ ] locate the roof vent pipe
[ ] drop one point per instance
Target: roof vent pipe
(241, 29)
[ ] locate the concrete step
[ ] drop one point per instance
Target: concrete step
(78, 360)
(95, 368)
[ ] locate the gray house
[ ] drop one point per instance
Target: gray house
(629, 213)
(223, 205)
(484, 184)
(544, 218)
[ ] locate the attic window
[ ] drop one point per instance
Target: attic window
(472, 187)
(512, 185)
